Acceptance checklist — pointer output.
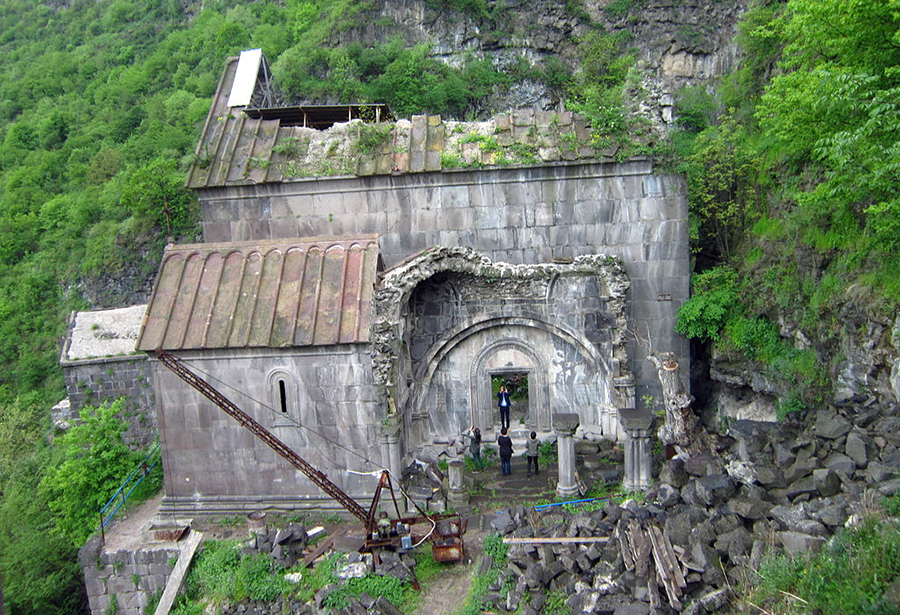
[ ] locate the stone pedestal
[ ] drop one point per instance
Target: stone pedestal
(457, 493)
(565, 425)
(638, 462)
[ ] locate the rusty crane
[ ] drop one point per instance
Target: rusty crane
(446, 529)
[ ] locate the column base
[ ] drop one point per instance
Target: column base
(567, 492)
(458, 498)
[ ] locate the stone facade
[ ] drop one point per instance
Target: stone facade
(525, 215)
(91, 382)
(212, 465)
(448, 320)
(132, 578)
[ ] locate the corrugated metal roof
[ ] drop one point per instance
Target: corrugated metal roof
(280, 293)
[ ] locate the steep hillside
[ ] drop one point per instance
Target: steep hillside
(783, 114)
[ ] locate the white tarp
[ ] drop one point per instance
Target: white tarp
(245, 78)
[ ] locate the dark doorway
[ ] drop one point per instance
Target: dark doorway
(517, 385)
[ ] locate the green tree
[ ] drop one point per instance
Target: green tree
(91, 461)
(722, 187)
(834, 110)
(157, 190)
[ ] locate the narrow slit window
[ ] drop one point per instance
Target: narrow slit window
(282, 395)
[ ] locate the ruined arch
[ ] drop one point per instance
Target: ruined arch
(568, 340)
(481, 399)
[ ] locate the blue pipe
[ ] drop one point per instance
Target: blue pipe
(542, 506)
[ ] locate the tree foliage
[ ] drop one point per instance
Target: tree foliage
(722, 187)
(834, 110)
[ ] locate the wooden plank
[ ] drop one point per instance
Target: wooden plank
(176, 579)
(641, 549)
(553, 541)
(625, 548)
(323, 546)
(652, 587)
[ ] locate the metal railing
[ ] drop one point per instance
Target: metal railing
(121, 495)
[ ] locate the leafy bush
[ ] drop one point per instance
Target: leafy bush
(715, 296)
(695, 108)
(221, 573)
(547, 454)
(757, 338)
(91, 461)
(493, 546)
(372, 136)
(556, 603)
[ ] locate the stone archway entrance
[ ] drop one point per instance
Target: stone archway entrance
(516, 384)
(509, 356)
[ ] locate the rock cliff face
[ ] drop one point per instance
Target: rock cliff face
(675, 42)
(862, 354)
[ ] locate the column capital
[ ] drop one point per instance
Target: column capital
(634, 420)
(565, 424)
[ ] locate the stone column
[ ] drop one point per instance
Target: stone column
(565, 425)
(390, 447)
(457, 493)
(638, 462)
(624, 392)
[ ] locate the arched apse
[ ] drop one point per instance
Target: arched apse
(562, 325)
(563, 376)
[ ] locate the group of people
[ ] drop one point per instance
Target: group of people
(505, 449)
(504, 442)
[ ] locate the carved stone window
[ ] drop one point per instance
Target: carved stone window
(284, 398)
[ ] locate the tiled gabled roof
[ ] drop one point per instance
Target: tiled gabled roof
(279, 293)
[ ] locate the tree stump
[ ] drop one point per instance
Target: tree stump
(681, 427)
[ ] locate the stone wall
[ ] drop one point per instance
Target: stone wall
(90, 382)
(132, 578)
(212, 465)
(525, 215)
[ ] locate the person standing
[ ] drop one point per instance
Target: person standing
(474, 435)
(532, 450)
(503, 403)
(504, 443)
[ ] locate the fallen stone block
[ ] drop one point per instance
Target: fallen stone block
(827, 482)
(841, 462)
(715, 488)
(796, 543)
(859, 448)
(831, 425)
(749, 509)
(879, 472)
(890, 487)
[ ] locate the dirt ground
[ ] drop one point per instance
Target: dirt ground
(444, 595)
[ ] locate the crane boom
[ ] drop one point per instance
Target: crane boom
(207, 390)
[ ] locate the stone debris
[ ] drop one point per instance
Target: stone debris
(706, 524)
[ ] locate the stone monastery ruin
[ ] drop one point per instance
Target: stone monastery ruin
(362, 283)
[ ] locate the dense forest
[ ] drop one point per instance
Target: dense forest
(793, 163)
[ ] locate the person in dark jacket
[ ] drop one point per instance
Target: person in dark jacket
(503, 403)
(474, 435)
(504, 443)
(532, 450)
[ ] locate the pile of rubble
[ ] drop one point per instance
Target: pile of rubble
(707, 523)
(620, 559)
(285, 545)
